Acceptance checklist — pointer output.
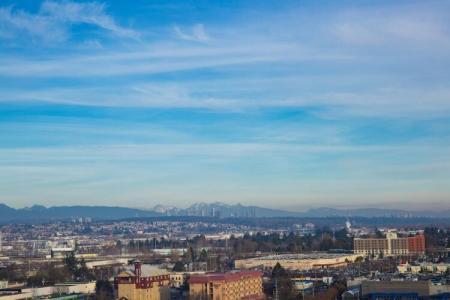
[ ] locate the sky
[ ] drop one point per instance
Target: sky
(282, 104)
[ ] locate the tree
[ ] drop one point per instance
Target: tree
(436, 239)
(378, 234)
(203, 256)
(10, 273)
(326, 242)
(278, 271)
(281, 283)
(77, 269)
(359, 259)
(190, 255)
(84, 272)
(104, 290)
(71, 264)
(48, 274)
(292, 247)
(178, 267)
(219, 266)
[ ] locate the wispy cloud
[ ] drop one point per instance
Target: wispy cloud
(16, 22)
(92, 13)
(156, 151)
(52, 21)
(239, 53)
(125, 62)
(197, 33)
(414, 103)
(416, 25)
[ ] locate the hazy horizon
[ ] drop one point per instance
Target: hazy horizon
(393, 206)
(290, 105)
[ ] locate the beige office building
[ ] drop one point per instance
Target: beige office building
(391, 245)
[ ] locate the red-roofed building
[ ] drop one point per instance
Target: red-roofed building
(227, 286)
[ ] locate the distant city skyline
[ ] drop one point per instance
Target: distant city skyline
(280, 104)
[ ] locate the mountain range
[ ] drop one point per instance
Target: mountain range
(219, 209)
(37, 213)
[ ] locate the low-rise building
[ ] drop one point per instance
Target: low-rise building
(178, 279)
(298, 261)
(227, 286)
(81, 289)
(421, 288)
(352, 294)
(301, 285)
(423, 268)
(61, 252)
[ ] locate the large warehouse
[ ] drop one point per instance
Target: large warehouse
(298, 261)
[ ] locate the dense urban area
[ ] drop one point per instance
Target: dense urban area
(213, 258)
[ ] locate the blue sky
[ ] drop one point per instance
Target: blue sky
(285, 104)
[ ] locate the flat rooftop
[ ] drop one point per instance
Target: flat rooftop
(302, 256)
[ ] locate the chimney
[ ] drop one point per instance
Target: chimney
(137, 269)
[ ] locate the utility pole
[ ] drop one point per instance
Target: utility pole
(276, 289)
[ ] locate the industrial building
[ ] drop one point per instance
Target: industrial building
(81, 290)
(298, 261)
